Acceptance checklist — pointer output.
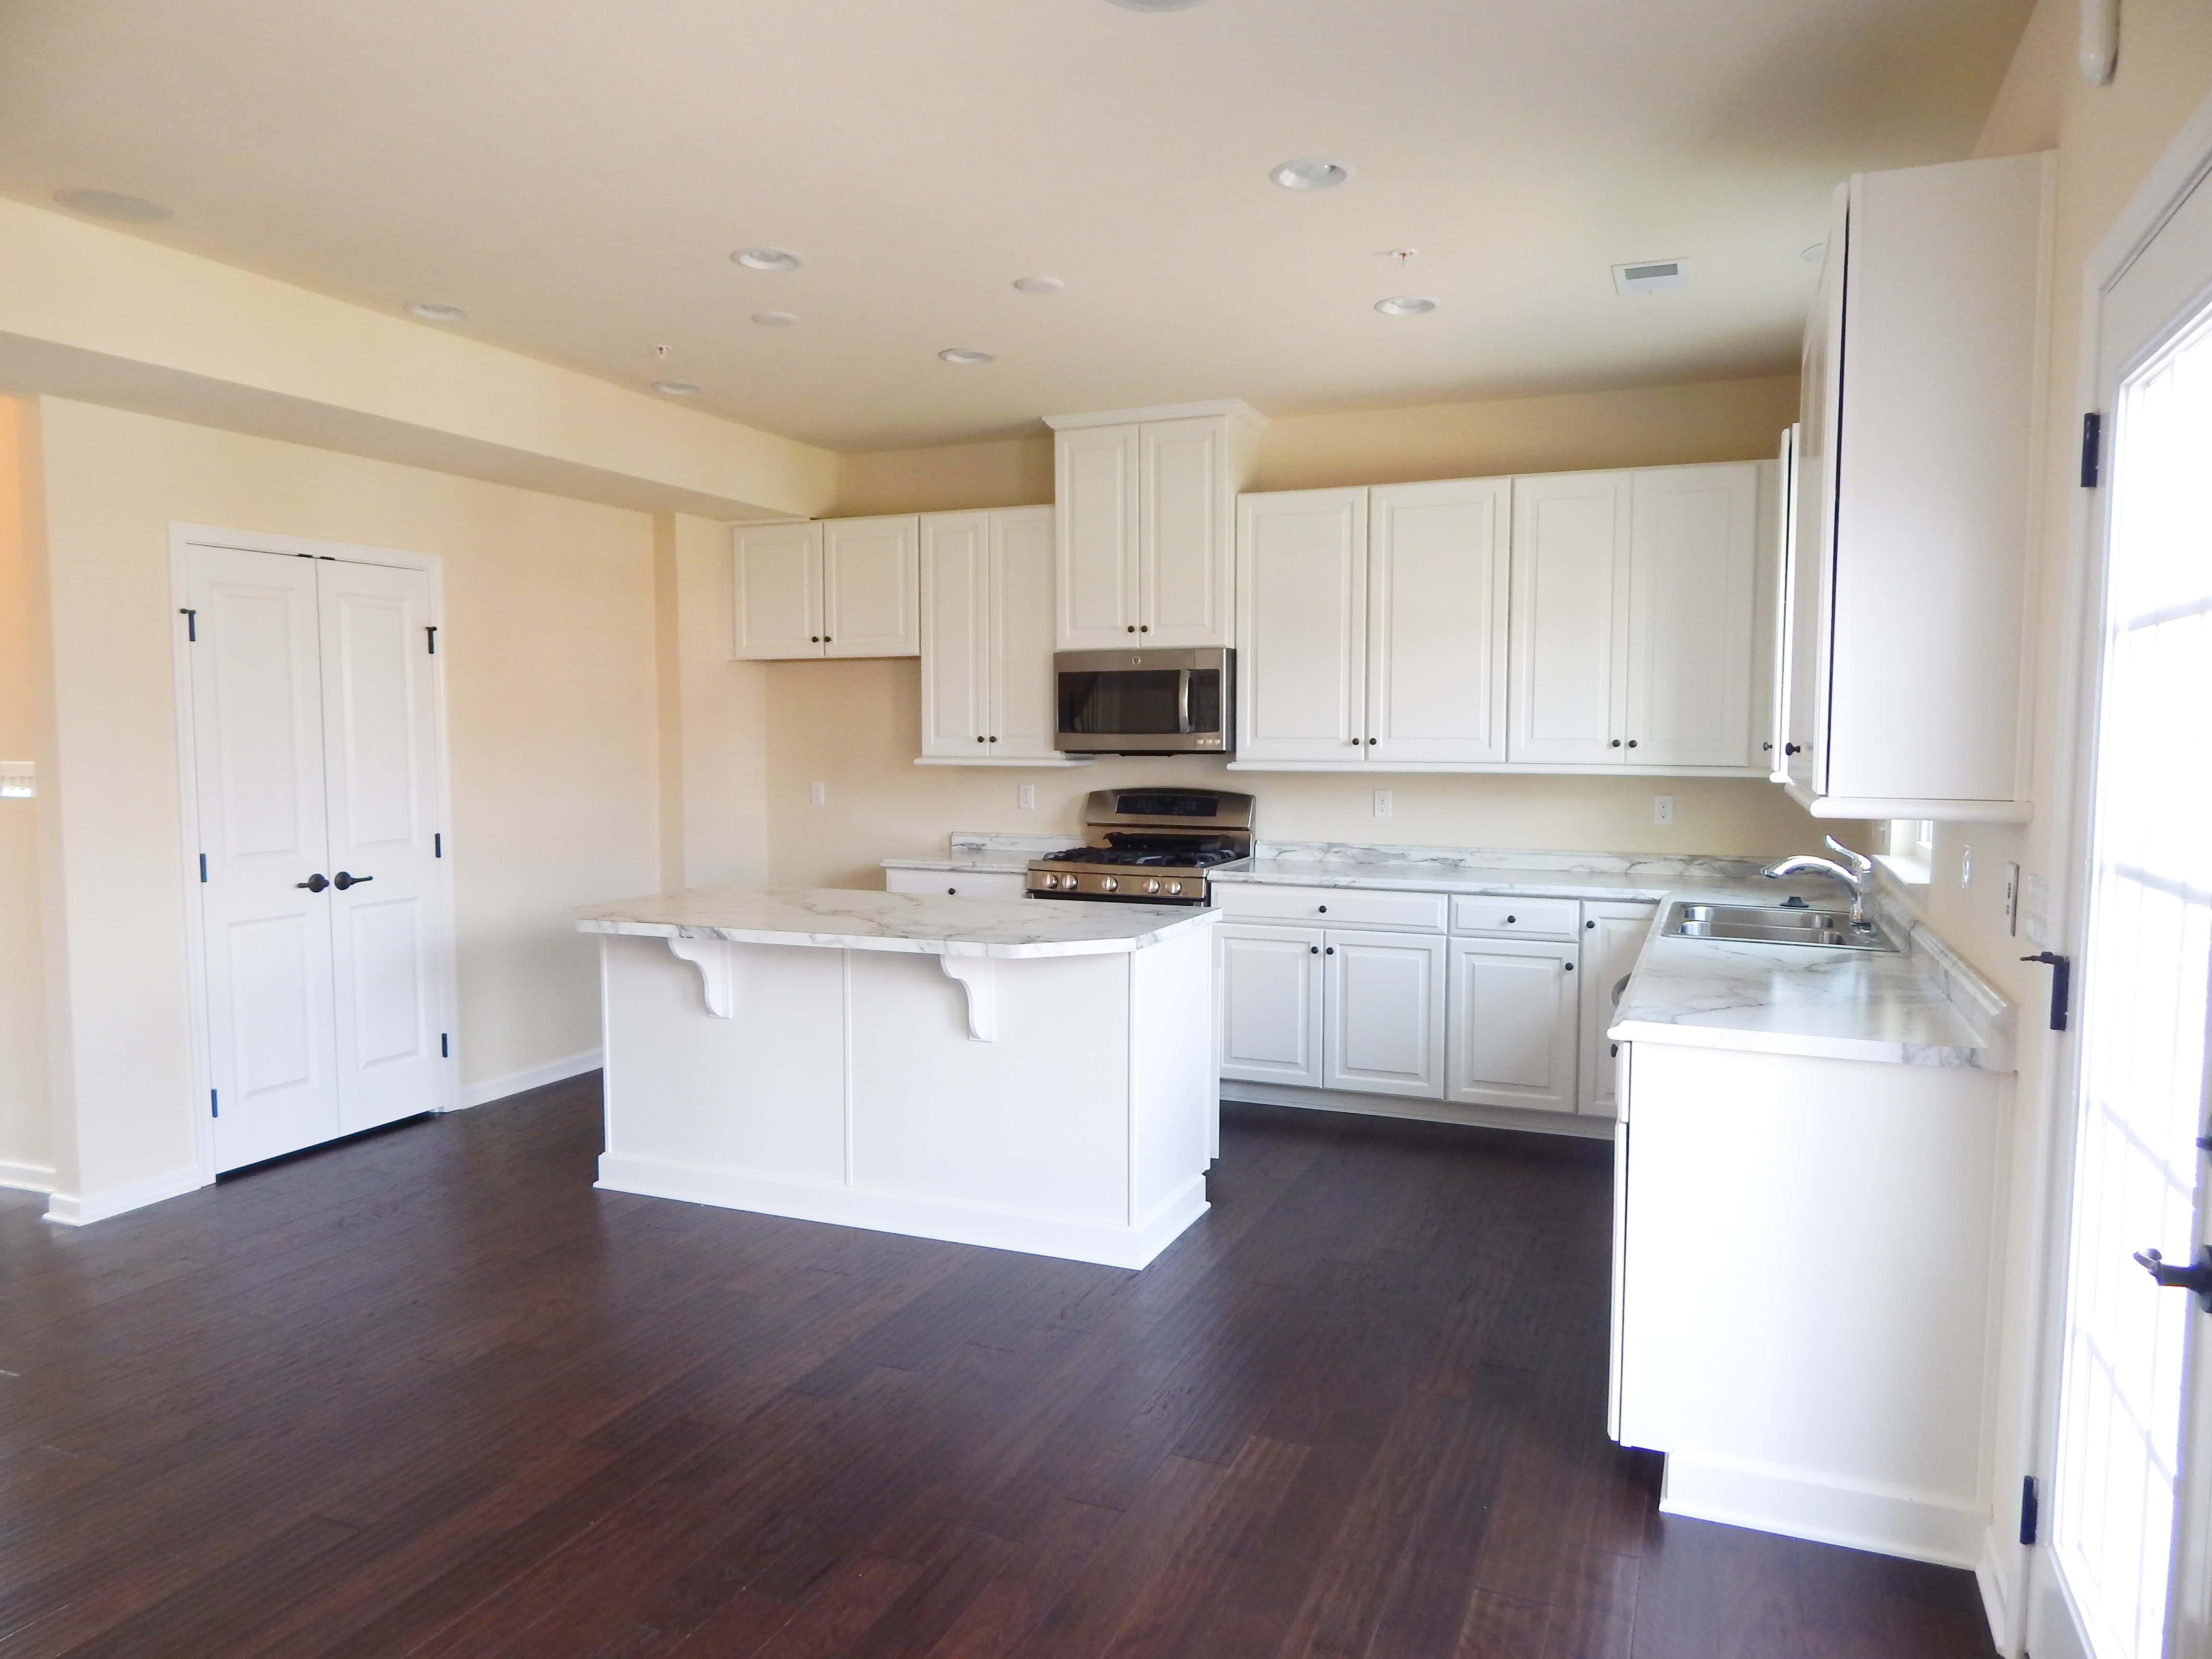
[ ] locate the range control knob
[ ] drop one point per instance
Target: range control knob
(1108, 885)
(1048, 881)
(1153, 884)
(1174, 887)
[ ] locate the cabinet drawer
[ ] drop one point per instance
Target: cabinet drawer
(1332, 906)
(956, 883)
(1520, 918)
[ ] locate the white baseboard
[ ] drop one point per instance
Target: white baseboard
(1424, 1111)
(899, 1213)
(1807, 1503)
(1990, 1579)
(27, 1177)
(67, 1210)
(531, 1077)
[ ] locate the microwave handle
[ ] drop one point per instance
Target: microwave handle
(1183, 702)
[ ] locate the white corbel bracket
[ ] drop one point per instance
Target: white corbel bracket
(979, 977)
(711, 957)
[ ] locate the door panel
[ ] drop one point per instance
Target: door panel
(955, 674)
(1385, 1008)
(1613, 938)
(1271, 1003)
(1437, 573)
(1513, 1023)
(258, 752)
(1301, 624)
(1813, 533)
(1185, 535)
(1095, 513)
(1693, 562)
(389, 932)
(1020, 649)
(870, 568)
(777, 582)
(1571, 549)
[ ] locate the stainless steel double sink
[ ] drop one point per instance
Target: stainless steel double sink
(1773, 924)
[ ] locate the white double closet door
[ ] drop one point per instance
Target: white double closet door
(325, 929)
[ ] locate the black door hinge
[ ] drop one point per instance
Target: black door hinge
(215, 1106)
(432, 633)
(2062, 984)
(2093, 449)
(2030, 1509)
(192, 626)
(203, 867)
(437, 844)
(445, 1046)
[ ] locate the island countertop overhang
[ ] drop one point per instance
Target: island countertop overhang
(920, 924)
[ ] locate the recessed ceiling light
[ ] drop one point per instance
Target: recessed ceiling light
(111, 204)
(966, 356)
(775, 319)
(1405, 305)
(1040, 285)
(767, 259)
(1158, 5)
(676, 388)
(437, 311)
(1310, 173)
(1811, 256)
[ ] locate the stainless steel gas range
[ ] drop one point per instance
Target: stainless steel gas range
(1149, 846)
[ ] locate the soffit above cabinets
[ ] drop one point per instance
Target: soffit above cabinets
(576, 175)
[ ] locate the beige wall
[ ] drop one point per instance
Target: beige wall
(26, 1141)
(724, 716)
(550, 626)
(854, 725)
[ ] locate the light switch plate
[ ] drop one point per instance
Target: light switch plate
(1382, 803)
(2035, 910)
(1028, 797)
(1663, 809)
(818, 793)
(1965, 867)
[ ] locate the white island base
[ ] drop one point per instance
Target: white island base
(1015, 1073)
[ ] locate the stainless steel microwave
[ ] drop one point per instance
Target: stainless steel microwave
(1144, 702)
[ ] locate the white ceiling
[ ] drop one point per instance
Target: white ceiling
(577, 172)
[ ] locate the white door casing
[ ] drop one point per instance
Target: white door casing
(1436, 609)
(1570, 583)
(1512, 1022)
(1301, 625)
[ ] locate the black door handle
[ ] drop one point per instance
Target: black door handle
(314, 884)
(2062, 984)
(2196, 1279)
(342, 880)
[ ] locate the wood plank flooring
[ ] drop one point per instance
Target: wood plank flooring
(428, 1393)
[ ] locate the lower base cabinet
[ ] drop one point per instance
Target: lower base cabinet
(957, 884)
(1270, 1019)
(1513, 1022)
(1384, 997)
(1613, 938)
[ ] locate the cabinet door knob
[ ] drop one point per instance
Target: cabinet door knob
(1616, 743)
(995, 740)
(1332, 950)
(1371, 740)
(979, 737)
(1133, 628)
(1767, 745)
(1589, 924)
(1313, 949)
(1568, 966)
(952, 892)
(1632, 743)
(1146, 629)
(814, 639)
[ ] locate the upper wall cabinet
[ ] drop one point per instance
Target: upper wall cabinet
(1145, 513)
(1371, 623)
(1909, 551)
(840, 588)
(987, 638)
(1635, 617)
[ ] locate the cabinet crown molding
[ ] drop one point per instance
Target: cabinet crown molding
(1233, 408)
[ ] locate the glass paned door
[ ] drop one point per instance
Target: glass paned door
(2147, 968)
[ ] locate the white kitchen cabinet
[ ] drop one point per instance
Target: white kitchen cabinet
(986, 636)
(1271, 995)
(1612, 936)
(1512, 1022)
(957, 884)
(777, 579)
(1694, 645)
(1636, 597)
(1571, 551)
(1372, 623)
(1302, 633)
(843, 587)
(1920, 410)
(1781, 610)
(1383, 1029)
(1146, 509)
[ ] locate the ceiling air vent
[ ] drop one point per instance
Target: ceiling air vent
(1651, 277)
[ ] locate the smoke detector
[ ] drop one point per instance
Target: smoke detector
(1651, 276)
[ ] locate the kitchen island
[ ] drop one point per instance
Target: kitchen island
(1018, 1073)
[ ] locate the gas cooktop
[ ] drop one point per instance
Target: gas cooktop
(1149, 846)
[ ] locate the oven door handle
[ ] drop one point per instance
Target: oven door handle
(1182, 703)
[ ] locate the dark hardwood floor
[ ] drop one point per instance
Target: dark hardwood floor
(428, 1393)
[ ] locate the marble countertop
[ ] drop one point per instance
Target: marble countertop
(927, 924)
(988, 852)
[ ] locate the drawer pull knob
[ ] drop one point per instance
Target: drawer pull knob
(1320, 909)
(1509, 920)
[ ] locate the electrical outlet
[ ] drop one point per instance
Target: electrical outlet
(818, 793)
(1382, 803)
(2035, 909)
(1027, 796)
(2011, 898)
(1965, 867)
(1663, 809)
